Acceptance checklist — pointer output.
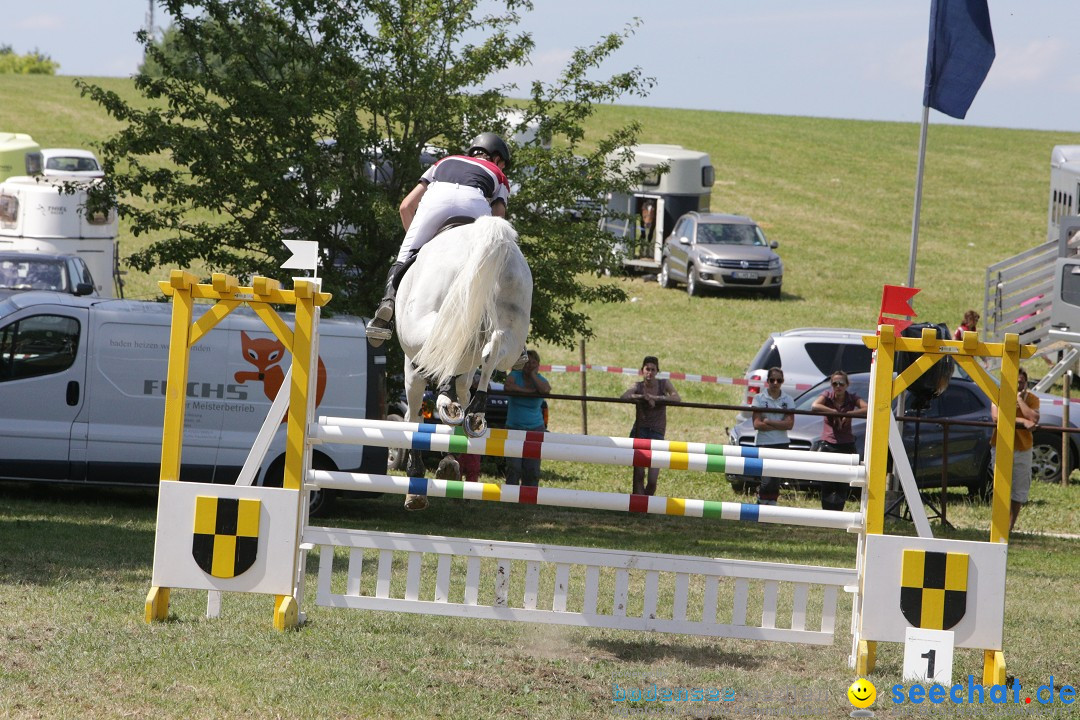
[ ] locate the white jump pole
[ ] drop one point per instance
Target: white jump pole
(597, 441)
(628, 457)
(589, 499)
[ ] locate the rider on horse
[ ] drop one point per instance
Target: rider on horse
(458, 186)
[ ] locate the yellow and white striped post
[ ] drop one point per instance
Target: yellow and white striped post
(185, 332)
(885, 388)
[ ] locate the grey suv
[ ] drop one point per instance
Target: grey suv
(720, 251)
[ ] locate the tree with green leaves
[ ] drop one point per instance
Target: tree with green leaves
(308, 118)
(32, 63)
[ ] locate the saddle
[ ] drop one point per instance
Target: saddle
(456, 221)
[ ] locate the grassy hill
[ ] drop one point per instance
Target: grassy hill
(836, 194)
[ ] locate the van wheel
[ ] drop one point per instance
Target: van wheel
(396, 457)
(319, 501)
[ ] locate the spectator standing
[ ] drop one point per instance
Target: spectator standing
(836, 435)
(650, 420)
(971, 322)
(526, 413)
(772, 427)
(1027, 417)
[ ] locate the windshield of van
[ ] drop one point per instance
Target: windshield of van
(730, 234)
(32, 274)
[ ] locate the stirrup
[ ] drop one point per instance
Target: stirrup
(521, 361)
(378, 331)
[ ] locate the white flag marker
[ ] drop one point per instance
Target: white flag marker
(305, 256)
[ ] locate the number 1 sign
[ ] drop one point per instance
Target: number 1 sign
(928, 656)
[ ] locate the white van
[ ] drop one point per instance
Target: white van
(82, 392)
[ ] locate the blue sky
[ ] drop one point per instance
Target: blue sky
(828, 58)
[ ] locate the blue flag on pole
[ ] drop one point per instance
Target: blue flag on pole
(958, 56)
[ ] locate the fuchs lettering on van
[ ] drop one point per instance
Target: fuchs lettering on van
(82, 392)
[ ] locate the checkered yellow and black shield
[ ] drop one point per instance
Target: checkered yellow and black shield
(226, 537)
(933, 588)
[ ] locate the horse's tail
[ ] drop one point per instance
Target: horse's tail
(467, 314)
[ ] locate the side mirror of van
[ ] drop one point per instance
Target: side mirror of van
(773, 244)
(83, 289)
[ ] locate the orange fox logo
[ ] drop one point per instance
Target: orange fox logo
(265, 354)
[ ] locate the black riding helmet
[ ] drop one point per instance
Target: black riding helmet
(491, 144)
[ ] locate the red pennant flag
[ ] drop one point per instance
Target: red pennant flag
(896, 300)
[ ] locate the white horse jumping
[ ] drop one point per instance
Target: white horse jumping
(464, 303)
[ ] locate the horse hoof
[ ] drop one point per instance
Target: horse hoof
(415, 502)
(451, 414)
(475, 425)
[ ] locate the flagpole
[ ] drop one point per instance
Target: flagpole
(918, 197)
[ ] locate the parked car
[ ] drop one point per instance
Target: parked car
(807, 355)
(70, 161)
(969, 446)
(21, 271)
(720, 251)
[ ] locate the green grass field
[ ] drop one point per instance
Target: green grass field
(75, 565)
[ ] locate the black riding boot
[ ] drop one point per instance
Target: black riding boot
(378, 328)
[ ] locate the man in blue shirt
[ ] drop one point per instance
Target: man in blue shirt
(526, 413)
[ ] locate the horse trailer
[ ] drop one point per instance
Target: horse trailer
(41, 215)
(674, 181)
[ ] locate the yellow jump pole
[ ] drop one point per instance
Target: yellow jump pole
(172, 437)
(286, 608)
(877, 460)
(994, 660)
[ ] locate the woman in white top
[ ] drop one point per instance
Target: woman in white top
(772, 427)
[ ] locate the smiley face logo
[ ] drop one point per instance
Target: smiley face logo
(862, 693)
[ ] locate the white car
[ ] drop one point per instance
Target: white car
(807, 355)
(70, 162)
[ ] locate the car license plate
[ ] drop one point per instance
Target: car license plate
(743, 275)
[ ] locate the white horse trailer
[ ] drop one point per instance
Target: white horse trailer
(684, 186)
(1064, 188)
(37, 216)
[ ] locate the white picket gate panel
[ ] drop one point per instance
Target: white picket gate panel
(562, 585)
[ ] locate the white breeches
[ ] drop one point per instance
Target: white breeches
(441, 201)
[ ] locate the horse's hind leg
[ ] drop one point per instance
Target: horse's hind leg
(414, 394)
(493, 354)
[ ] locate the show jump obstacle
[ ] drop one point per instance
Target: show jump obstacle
(257, 539)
